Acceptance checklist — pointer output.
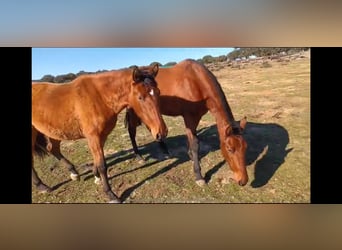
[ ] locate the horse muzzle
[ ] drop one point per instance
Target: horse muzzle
(242, 183)
(159, 137)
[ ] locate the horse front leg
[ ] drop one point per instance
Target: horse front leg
(100, 169)
(191, 124)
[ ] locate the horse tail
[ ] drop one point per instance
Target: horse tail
(40, 147)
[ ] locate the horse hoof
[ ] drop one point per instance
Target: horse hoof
(42, 188)
(200, 182)
(74, 177)
(115, 201)
(140, 159)
(97, 180)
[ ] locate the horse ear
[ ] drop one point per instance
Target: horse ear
(137, 75)
(228, 130)
(155, 69)
(243, 123)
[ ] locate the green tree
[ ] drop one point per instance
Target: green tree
(169, 64)
(153, 63)
(208, 59)
(82, 72)
(65, 78)
(222, 58)
(47, 78)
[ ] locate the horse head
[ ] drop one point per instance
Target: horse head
(234, 151)
(144, 100)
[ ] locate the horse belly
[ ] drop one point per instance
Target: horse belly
(60, 130)
(167, 110)
(176, 106)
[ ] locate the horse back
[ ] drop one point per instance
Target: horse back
(72, 110)
(183, 88)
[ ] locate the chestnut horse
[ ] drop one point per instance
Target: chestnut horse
(88, 108)
(190, 90)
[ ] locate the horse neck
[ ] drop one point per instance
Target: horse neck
(115, 91)
(223, 121)
(218, 106)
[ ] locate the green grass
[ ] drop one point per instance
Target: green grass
(276, 101)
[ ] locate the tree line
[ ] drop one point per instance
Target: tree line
(263, 52)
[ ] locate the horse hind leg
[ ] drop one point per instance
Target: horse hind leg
(40, 186)
(132, 121)
(54, 147)
(132, 130)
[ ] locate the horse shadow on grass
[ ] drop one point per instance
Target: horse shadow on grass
(267, 150)
(152, 153)
(177, 146)
(111, 160)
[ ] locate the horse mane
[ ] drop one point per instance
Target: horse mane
(220, 93)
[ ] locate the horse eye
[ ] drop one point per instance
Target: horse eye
(230, 150)
(140, 98)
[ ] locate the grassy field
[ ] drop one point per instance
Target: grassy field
(275, 97)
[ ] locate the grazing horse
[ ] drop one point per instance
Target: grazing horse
(190, 90)
(88, 108)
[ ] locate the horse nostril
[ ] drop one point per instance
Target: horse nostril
(159, 137)
(241, 183)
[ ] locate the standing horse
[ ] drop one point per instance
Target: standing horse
(190, 90)
(88, 108)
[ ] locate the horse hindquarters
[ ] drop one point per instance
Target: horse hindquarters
(54, 147)
(46, 145)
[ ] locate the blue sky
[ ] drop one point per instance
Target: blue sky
(56, 61)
